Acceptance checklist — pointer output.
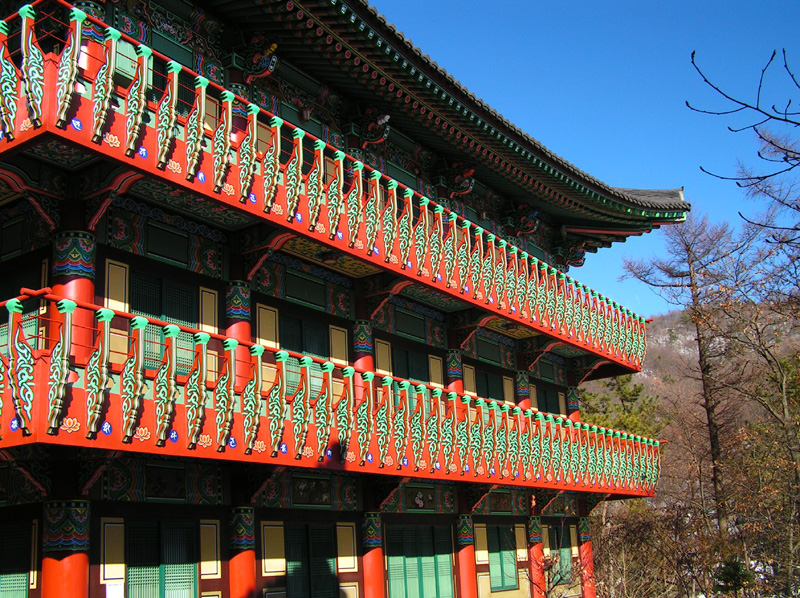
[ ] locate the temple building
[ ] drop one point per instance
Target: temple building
(288, 312)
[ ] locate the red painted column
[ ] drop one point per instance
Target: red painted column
(465, 543)
(237, 324)
(242, 546)
(536, 558)
(586, 559)
(65, 549)
(73, 278)
(455, 373)
(372, 560)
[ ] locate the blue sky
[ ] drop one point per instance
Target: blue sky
(604, 85)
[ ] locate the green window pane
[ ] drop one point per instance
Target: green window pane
(143, 576)
(15, 560)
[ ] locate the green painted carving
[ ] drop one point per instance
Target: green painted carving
(195, 390)
(20, 367)
(371, 223)
(68, 66)
(432, 432)
(449, 432)
(476, 437)
(405, 230)
(476, 261)
(271, 163)
(383, 420)
(522, 286)
(400, 424)
(464, 255)
(9, 84)
(195, 125)
(97, 379)
(511, 279)
(436, 242)
(335, 197)
(462, 436)
(500, 273)
(569, 308)
(59, 368)
(389, 220)
(293, 174)
(32, 66)
(166, 387)
(489, 436)
(583, 456)
(251, 401)
(165, 114)
(421, 235)
(450, 249)
(225, 395)
(135, 101)
(221, 141)
(364, 416)
(132, 380)
(593, 455)
(247, 153)
(501, 450)
(416, 423)
(514, 440)
(560, 307)
(525, 444)
(545, 444)
(301, 408)
(323, 417)
(487, 269)
(103, 86)
(276, 403)
(344, 413)
(354, 214)
(314, 185)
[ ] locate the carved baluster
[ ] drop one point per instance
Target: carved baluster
(569, 307)
(604, 324)
(405, 229)
(500, 266)
(132, 380)
(9, 86)
(583, 462)
(334, 194)
(657, 464)
(615, 329)
(422, 235)
(610, 459)
(293, 174)
(463, 435)
(166, 114)
(464, 257)
(389, 220)
(559, 316)
(136, 101)
(103, 85)
(276, 403)
(489, 434)
(323, 411)
(417, 424)
(566, 450)
(371, 222)
(534, 291)
(551, 305)
(384, 418)
(225, 394)
(593, 459)
(271, 163)
(354, 199)
(246, 154)
(501, 452)
(545, 296)
(448, 436)
(450, 249)
(525, 443)
(514, 441)
(32, 66)
(251, 400)
(400, 423)
(344, 413)
(487, 269)
(436, 241)
(68, 66)
(96, 378)
(365, 416)
(536, 426)
(545, 444)
(523, 275)
(555, 446)
(20, 367)
(195, 390)
(511, 280)
(221, 141)
(476, 261)
(3, 381)
(166, 387)
(314, 186)
(195, 127)
(59, 368)
(433, 428)
(301, 407)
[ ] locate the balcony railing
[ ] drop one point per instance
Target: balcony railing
(75, 374)
(65, 78)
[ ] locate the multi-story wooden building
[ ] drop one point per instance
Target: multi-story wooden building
(289, 315)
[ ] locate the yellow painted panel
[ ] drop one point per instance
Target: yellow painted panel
(383, 357)
(347, 559)
(508, 389)
(33, 574)
(522, 542)
(481, 544)
(208, 310)
(349, 590)
(338, 338)
(562, 403)
(116, 286)
(274, 561)
(469, 379)
(267, 326)
(546, 541)
(118, 344)
(209, 549)
(573, 538)
(436, 370)
(112, 550)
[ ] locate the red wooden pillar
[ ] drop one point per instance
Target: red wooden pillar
(586, 559)
(372, 560)
(237, 324)
(242, 546)
(465, 542)
(455, 373)
(73, 278)
(536, 558)
(65, 549)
